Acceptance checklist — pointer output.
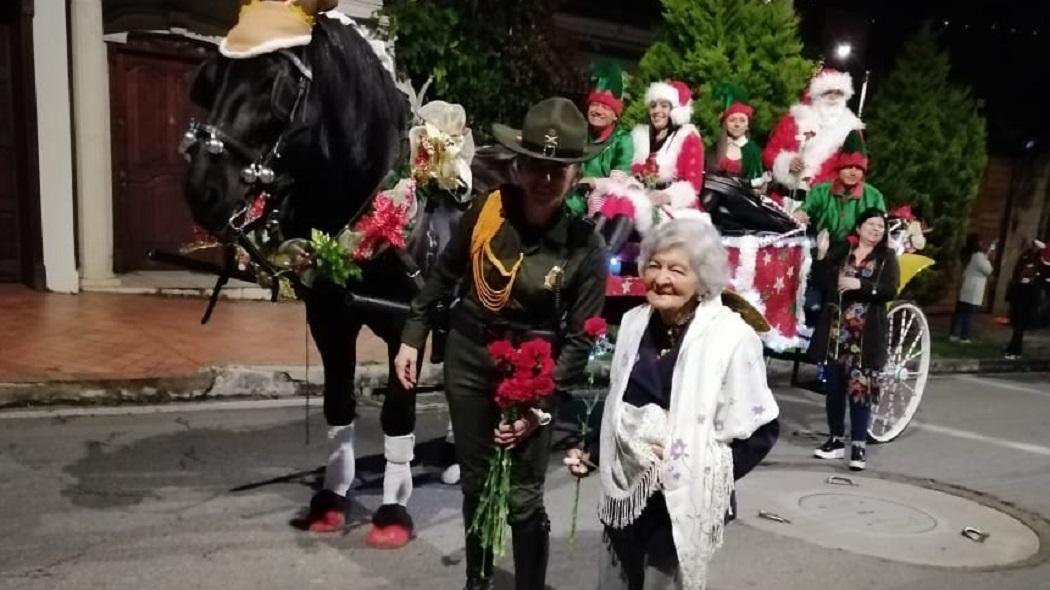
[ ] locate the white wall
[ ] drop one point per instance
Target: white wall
(54, 140)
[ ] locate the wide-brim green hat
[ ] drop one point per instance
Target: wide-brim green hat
(554, 129)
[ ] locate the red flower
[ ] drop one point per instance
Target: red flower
(536, 349)
(595, 327)
(853, 240)
(385, 224)
(501, 351)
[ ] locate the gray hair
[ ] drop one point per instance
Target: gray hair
(701, 242)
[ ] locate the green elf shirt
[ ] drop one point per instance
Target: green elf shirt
(617, 155)
(832, 207)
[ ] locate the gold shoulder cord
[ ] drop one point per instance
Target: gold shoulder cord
(489, 222)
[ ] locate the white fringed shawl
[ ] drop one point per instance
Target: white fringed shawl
(718, 393)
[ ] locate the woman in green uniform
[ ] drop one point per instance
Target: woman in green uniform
(522, 268)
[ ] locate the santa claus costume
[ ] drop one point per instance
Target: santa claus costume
(815, 131)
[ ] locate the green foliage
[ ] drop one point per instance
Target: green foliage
(332, 259)
(926, 137)
(751, 46)
(495, 57)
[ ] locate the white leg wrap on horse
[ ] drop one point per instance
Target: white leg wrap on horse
(397, 478)
(339, 474)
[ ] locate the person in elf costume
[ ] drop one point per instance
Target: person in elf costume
(736, 154)
(834, 206)
(803, 149)
(604, 107)
(832, 209)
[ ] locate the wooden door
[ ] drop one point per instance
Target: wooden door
(150, 79)
(10, 228)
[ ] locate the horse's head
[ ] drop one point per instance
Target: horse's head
(258, 110)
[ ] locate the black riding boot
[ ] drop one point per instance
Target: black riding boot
(616, 232)
(599, 222)
(479, 559)
(531, 549)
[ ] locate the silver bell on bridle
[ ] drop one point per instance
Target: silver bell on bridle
(257, 173)
(213, 145)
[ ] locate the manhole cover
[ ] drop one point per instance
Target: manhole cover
(867, 514)
(883, 519)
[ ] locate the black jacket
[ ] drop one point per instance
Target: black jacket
(878, 290)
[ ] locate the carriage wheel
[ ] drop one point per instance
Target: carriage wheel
(904, 378)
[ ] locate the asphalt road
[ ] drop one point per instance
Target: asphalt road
(202, 496)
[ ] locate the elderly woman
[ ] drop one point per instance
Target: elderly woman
(524, 269)
(688, 412)
(859, 277)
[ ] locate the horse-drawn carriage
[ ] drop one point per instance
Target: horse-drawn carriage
(770, 267)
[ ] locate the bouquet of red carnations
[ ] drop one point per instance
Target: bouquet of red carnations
(528, 377)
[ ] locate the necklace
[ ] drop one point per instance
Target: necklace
(673, 333)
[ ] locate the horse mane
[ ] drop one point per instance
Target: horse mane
(356, 134)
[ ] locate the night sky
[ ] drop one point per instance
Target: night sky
(1000, 48)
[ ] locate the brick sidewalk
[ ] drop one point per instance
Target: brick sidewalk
(95, 336)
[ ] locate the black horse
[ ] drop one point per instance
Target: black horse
(315, 129)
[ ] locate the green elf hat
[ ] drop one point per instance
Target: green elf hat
(734, 100)
(854, 152)
(607, 86)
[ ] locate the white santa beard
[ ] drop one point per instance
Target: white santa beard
(830, 112)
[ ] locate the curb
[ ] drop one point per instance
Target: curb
(270, 382)
(214, 383)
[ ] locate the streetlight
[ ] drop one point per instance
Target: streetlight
(843, 51)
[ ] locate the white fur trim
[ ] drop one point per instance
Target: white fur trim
(643, 211)
(782, 169)
(269, 46)
(828, 139)
(690, 213)
(831, 81)
(682, 194)
(682, 115)
(640, 138)
(662, 91)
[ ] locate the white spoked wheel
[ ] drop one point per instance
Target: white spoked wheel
(904, 377)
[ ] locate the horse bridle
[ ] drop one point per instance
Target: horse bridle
(259, 173)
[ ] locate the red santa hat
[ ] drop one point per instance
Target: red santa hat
(738, 108)
(830, 79)
(847, 159)
(677, 94)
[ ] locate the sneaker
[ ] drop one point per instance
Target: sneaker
(966, 341)
(953, 339)
(1012, 357)
(833, 448)
(857, 457)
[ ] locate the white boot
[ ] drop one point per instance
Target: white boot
(450, 475)
(339, 474)
(397, 478)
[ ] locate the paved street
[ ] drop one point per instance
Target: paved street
(201, 497)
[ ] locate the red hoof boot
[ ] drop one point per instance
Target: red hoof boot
(327, 513)
(391, 527)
